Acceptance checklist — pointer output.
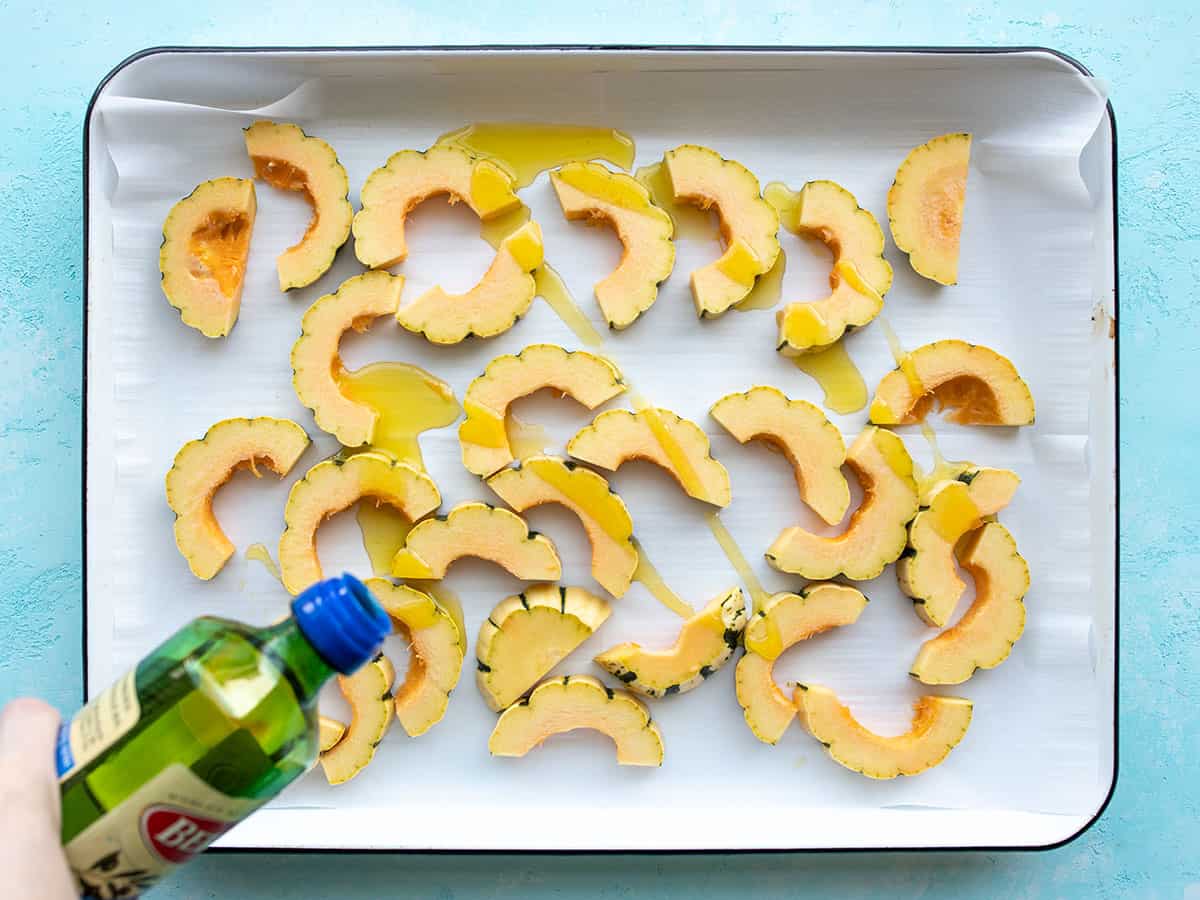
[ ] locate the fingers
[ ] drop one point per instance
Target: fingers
(28, 728)
(31, 855)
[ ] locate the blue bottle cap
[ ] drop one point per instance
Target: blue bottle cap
(342, 621)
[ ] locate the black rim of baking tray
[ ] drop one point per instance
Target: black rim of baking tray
(637, 48)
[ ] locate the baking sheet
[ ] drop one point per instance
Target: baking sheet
(1037, 277)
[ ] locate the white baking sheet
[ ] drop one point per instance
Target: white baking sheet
(1037, 268)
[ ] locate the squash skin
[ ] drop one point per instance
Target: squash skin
(334, 485)
(279, 150)
(609, 528)
(785, 620)
(673, 443)
(801, 431)
(203, 302)
(950, 373)
(479, 530)
(985, 635)
(933, 174)
(436, 651)
(860, 277)
(369, 692)
(705, 643)
(579, 701)
(939, 723)
(202, 466)
(585, 377)
(527, 635)
(749, 224)
(315, 360)
(876, 534)
(645, 231)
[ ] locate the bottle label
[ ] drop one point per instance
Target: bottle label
(163, 824)
(98, 726)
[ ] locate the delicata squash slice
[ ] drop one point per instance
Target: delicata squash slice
(801, 432)
(660, 436)
(436, 648)
(317, 370)
(333, 485)
(205, 245)
(749, 224)
(603, 514)
(876, 534)
(860, 276)
(585, 377)
(705, 643)
(939, 723)
(926, 571)
(925, 205)
(976, 383)
(785, 620)
(411, 177)
(479, 530)
(493, 306)
(369, 693)
(527, 635)
(985, 635)
(287, 158)
(573, 702)
(589, 191)
(203, 465)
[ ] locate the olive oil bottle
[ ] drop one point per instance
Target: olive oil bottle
(207, 728)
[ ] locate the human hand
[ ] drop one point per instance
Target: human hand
(31, 854)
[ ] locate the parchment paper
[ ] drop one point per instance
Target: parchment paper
(1034, 268)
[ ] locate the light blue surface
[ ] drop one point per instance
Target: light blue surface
(1144, 845)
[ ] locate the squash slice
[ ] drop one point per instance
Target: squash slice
(479, 530)
(369, 692)
(660, 436)
(589, 191)
(925, 205)
(876, 534)
(409, 178)
(436, 648)
(705, 643)
(977, 383)
(205, 245)
(603, 514)
(526, 636)
(334, 485)
(585, 377)
(493, 306)
(801, 432)
(749, 224)
(985, 635)
(329, 732)
(203, 465)
(785, 620)
(579, 701)
(939, 723)
(287, 158)
(317, 368)
(926, 572)
(860, 277)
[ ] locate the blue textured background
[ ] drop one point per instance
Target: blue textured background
(1143, 846)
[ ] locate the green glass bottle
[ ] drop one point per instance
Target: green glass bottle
(207, 728)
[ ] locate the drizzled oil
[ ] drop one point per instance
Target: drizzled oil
(737, 559)
(648, 576)
(260, 554)
(526, 149)
(768, 288)
(408, 400)
(837, 375)
(525, 439)
(691, 222)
